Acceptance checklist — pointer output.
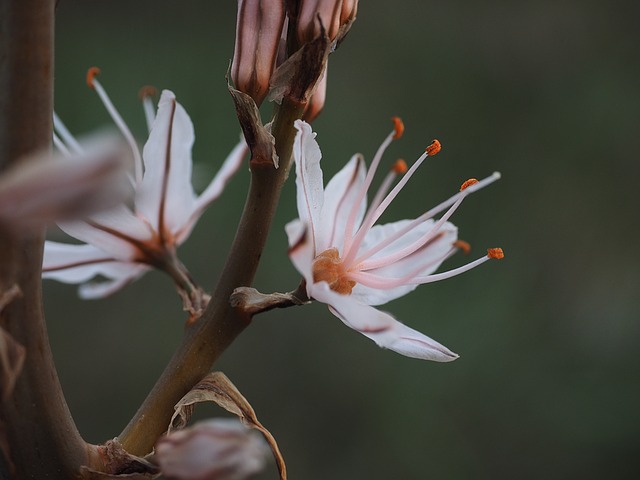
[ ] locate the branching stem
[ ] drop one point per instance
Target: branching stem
(208, 337)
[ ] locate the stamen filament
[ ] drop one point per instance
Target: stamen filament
(436, 277)
(375, 281)
(61, 146)
(348, 234)
(122, 126)
(408, 250)
(65, 134)
(373, 215)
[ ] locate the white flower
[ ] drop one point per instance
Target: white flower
(124, 242)
(350, 263)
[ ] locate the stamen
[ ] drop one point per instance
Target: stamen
(462, 245)
(65, 135)
(145, 95)
(436, 277)
(92, 73)
(117, 119)
(426, 216)
(434, 148)
(398, 127)
(495, 253)
(400, 166)
(468, 183)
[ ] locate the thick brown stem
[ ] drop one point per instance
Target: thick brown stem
(39, 437)
(220, 324)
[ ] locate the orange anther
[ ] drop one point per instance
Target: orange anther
(147, 91)
(434, 148)
(400, 166)
(468, 183)
(496, 253)
(462, 245)
(91, 74)
(398, 126)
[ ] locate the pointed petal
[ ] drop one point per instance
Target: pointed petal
(80, 263)
(339, 197)
(121, 277)
(381, 327)
(301, 249)
(72, 263)
(431, 256)
(166, 193)
(411, 343)
(309, 188)
(111, 231)
(230, 166)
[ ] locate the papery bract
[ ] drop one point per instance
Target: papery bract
(350, 263)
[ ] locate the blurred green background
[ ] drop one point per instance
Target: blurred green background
(546, 92)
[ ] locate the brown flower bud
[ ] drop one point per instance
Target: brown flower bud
(258, 32)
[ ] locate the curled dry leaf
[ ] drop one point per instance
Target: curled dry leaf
(12, 353)
(217, 388)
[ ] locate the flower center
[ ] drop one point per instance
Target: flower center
(328, 267)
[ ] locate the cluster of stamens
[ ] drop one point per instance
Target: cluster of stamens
(344, 266)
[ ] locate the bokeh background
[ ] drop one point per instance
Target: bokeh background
(546, 92)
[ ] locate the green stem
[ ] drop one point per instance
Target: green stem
(36, 428)
(220, 324)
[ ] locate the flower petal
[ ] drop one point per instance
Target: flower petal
(430, 256)
(112, 231)
(122, 276)
(301, 249)
(230, 166)
(166, 193)
(381, 327)
(339, 197)
(309, 188)
(72, 263)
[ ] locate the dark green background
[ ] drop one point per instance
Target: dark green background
(547, 385)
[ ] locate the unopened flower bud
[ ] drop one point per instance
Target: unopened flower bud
(258, 32)
(223, 449)
(316, 104)
(334, 15)
(349, 11)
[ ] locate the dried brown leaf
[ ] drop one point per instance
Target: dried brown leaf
(217, 388)
(120, 464)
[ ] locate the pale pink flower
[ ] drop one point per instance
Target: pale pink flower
(350, 263)
(124, 242)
